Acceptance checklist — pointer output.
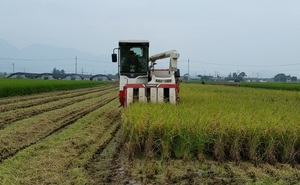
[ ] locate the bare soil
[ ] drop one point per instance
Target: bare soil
(140, 170)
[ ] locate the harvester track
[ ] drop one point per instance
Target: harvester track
(29, 127)
(13, 103)
(34, 108)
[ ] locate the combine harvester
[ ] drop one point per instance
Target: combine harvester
(139, 80)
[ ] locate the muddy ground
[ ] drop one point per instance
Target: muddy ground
(111, 165)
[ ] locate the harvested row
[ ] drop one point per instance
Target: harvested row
(63, 156)
(15, 99)
(14, 115)
(26, 132)
(13, 103)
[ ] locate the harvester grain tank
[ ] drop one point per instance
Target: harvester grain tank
(139, 80)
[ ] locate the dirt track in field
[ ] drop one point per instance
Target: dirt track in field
(24, 121)
(14, 109)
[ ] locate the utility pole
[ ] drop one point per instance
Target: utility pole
(76, 65)
(188, 69)
(188, 66)
(13, 67)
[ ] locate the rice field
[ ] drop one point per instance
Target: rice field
(291, 86)
(75, 137)
(228, 123)
(14, 87)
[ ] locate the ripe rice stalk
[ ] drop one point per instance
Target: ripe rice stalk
(134, 131)
(235, 149)
(182, 144)
(167, 135)
(233, 138)
(251, 136)
(270, 143)
(253, 141)
(270, 151)
(227, 122)
(289, 152)
(219, 148)
(199, 140)
(149, 145)
(297, 150)
(289, 144)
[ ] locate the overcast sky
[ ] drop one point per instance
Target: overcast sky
(259, 37)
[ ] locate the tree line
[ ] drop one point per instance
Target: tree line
(57, 71)
(281, 77)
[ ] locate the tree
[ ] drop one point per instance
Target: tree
(280, 77)
(236, 77)
(3, 74)
(57, 71)
(294, 79)
(242, 75)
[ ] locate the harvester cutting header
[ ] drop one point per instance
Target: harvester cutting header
(140, 80)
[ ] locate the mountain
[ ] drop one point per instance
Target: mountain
(46, 51)
(44, 58)
(6, 49)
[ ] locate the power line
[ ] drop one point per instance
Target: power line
(31, 59)
(239, 65)
(193, 61)
(92, 60)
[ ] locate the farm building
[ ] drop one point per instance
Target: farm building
(23, 75)
(51, 76)
(100, 77)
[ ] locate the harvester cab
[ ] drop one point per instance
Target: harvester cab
(138, 78)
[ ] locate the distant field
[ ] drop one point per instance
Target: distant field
(15, 87)
(290, 86)
(273, 85)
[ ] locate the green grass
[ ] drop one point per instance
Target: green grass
(20, 87)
